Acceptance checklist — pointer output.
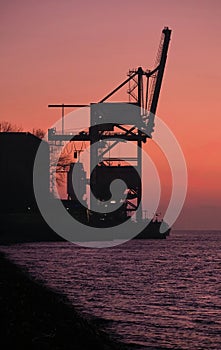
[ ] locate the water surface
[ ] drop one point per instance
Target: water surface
(157, 294)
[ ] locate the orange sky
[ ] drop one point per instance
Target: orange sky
(77, 51)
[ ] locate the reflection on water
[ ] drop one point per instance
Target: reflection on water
(156, 294)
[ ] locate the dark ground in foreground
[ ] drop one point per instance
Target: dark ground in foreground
(34, 317)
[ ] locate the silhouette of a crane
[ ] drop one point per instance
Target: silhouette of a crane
(143, 100)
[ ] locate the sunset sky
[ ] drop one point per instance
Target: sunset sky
(77, 51)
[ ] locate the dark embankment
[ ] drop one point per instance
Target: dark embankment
(33, 317)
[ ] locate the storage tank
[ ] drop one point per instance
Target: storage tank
(76, 176)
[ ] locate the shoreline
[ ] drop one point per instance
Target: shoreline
(36, 317)
(31, 227)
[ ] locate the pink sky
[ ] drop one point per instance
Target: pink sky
(77, 51)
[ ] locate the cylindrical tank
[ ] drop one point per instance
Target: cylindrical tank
(76, 179)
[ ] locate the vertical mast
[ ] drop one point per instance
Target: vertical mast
(139, 144)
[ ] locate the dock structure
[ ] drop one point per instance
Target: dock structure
(112, 123)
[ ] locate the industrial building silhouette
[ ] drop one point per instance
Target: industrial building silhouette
(17, 156)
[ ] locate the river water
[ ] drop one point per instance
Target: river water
(152, 294)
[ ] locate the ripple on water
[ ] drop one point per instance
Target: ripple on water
(155, 294)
